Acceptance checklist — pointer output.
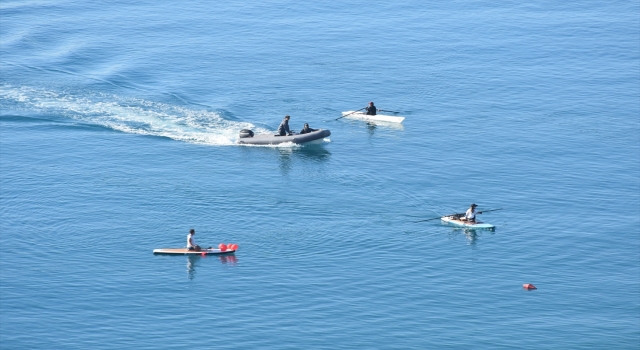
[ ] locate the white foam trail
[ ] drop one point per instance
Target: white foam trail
(129, 115)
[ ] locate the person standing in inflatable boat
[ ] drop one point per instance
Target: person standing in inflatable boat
(283, 129)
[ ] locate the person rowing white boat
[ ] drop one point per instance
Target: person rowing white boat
(470, 215)
(371, 109)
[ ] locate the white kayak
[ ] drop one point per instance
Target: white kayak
(185, 251)
(478, 225)
(377, 117)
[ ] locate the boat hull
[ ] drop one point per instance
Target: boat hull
(377, 117)
(268, 139)
(185, 251)
(478, 225)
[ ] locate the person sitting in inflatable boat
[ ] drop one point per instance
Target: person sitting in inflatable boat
(306, 129)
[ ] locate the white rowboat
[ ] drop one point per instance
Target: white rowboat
(377, 117)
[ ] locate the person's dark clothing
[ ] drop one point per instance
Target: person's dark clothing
(283, 129)
(307, 130)
(371, 110)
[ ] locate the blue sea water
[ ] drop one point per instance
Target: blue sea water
(118, 130)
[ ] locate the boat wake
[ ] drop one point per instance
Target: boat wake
(130, 115)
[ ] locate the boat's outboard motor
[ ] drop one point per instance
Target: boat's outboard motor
(246, 133)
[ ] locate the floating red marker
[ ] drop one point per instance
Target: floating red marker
(223, 247)
(529, 286)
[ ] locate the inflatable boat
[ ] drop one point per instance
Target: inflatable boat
(248, 138)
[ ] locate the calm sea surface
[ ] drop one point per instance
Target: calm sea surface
(118, 130)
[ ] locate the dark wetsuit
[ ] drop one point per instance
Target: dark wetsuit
(283, 129)
(371, 110)
(307, 130)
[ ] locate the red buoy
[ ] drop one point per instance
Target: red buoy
(529, 286)
(223, 247)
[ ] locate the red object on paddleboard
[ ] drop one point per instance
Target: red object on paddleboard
(529, 286)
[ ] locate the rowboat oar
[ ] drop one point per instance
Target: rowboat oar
(437, 218)
(486, 211)
(384, 110)
(427, 220)
(351, 113)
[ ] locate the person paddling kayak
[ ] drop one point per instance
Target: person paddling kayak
(470, 215)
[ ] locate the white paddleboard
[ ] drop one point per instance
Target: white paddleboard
(459, 223)
(185, 251)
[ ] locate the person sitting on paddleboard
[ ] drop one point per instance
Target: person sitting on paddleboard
(191, 244)
(283, 129)
(371, 109)
(470, 215)
(307, 129)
